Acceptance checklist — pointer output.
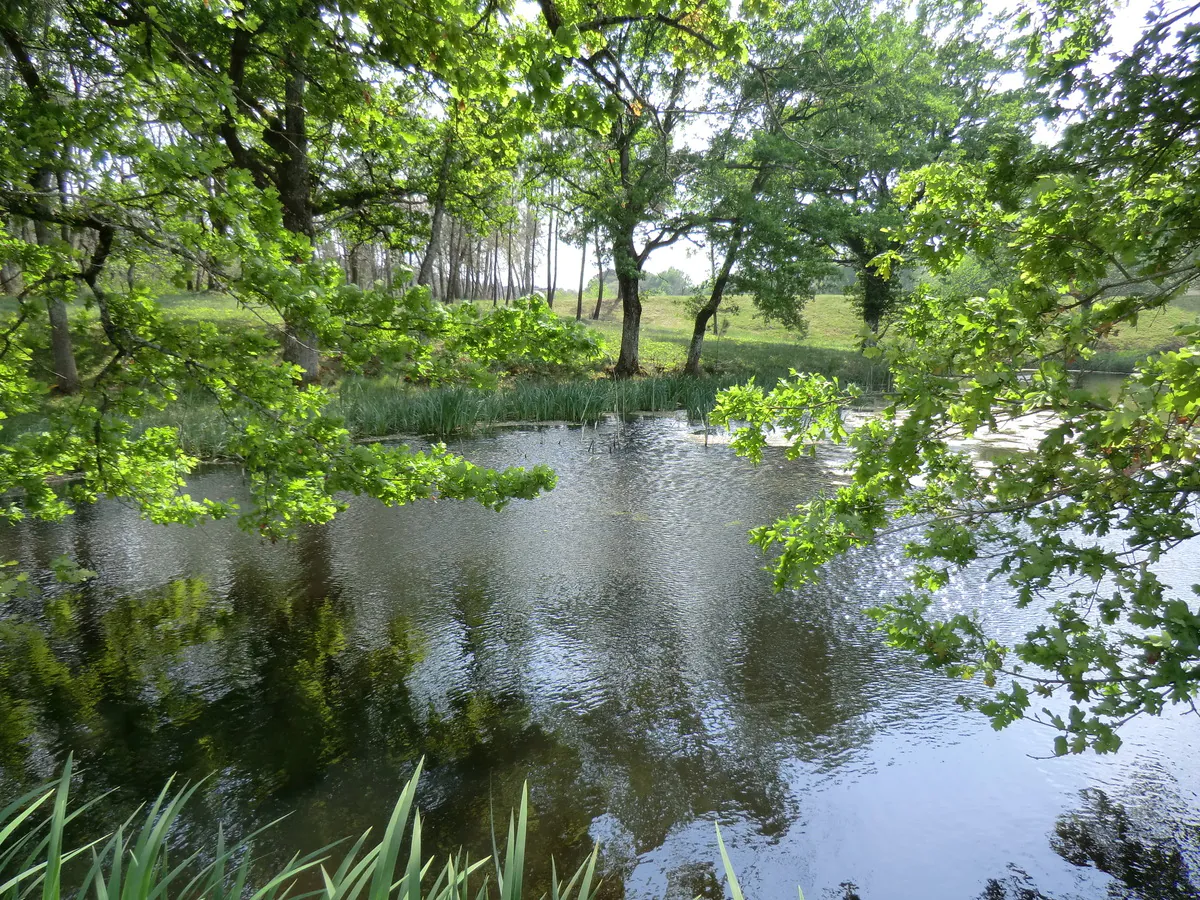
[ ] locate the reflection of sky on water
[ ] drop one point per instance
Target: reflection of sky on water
(618, 643)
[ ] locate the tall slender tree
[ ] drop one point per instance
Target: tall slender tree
(631, 169)
(582, 276)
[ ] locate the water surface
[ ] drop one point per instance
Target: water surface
(617, 644)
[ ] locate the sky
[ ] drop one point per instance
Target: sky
(1128, 25)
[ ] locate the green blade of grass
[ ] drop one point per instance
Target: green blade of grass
(734, 887)
(390, 846)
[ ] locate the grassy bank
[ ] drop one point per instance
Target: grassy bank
(746, 343)
(375, 407)
(746, 347)
(833, 324)
(749, 344)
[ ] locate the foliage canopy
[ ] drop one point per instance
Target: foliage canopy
(228, 138)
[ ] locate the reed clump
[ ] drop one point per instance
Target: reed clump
(374, 408)
(378, 407)
(138, 859)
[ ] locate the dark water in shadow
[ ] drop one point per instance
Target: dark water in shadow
(616, 643)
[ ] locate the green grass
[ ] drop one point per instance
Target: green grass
(746, 340)
(220, 309)
(1123, 348)
(137, 859)
(747, 343)
(833, 322)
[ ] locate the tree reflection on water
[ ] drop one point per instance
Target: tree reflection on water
(262, 691)
(1104, 835)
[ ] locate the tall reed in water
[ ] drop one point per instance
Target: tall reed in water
(132, 863)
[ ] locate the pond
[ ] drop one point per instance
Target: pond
(616, 643)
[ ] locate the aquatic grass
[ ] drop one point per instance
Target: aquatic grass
(134, 861)
(371, 408)
(1115, 362)
(204, 430)
(731, 876)
(735, 887)
(381, 407)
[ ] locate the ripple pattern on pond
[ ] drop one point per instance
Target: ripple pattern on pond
(616, 642)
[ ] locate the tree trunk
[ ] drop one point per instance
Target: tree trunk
(425, 276)
(508, 262)
(300, 348)
(877, 296)
(554, 248)
(551, 274)
(10, 279)
(300, 339)
(508, 285)
(709, 310)
(496, 270)
(599, 277)
(533, 253)
(475, 269)
(454, 263)
(582, 273)
(220, 226)
(69, 236)
(66, 374)
(466, 254)
(631, 316)
(63, 355)
(721, 281)
(627, 262)
(480, 263)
